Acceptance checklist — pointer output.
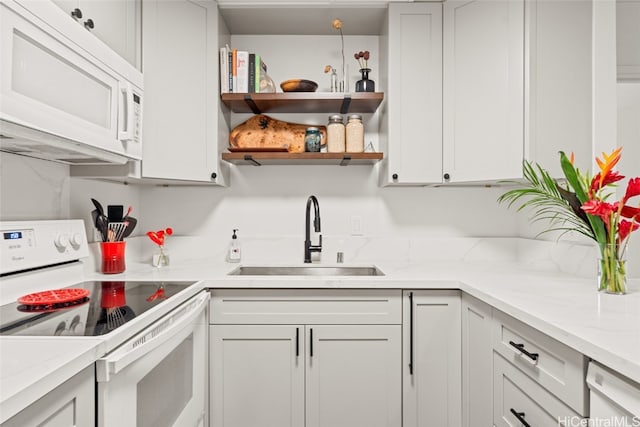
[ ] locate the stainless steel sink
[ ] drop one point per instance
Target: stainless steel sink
(306, 270)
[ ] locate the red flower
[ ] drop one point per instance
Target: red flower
(625, 228)
(597, 183)
(633, 189)
(158, 237)
(599, 208)
(630, 212)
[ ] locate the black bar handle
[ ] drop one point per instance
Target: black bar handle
(311, 342)
(297, 342)
(410, 333)
(520, 417)
(520, 348)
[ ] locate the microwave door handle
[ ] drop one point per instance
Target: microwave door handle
(125, 127)
(119, 360)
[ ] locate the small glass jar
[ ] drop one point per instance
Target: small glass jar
(312, 141)
(355, 134)
(335, 134)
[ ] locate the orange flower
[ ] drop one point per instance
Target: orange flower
(607, 163)
(337, 24)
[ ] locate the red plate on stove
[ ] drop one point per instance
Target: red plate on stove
(56, 296)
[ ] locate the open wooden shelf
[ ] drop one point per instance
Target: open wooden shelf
(278, 158)
(303, 102)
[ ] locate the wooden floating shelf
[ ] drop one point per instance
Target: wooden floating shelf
(303, 102)
(277, 158)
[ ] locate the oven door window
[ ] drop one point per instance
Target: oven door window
(164, 393)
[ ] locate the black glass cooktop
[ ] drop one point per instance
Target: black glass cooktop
(108, 305)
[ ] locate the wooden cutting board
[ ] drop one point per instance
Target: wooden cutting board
(263, 132)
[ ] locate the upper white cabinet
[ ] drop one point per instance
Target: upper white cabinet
(182, 114)
(483, 90)
(115, 22)
(411, 129)
(558, 83)
(431, 365)
(628, 39)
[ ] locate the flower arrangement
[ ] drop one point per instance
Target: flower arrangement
(337, 24)
(581, 204)
(334, 78)
(158, 238)
(363, 59)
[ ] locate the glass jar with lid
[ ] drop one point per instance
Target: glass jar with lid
(355, 134)
(335, 134)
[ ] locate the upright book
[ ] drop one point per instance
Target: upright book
(260, 70)
(224, 69)
(242, 71)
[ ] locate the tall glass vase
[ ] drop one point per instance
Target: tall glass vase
(364, 84)
(612, 269)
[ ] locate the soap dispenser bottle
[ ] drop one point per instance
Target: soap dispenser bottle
(234, 254)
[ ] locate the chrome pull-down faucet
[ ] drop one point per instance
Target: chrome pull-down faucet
(308, 247)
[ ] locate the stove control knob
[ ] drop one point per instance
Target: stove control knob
(61, 241)
(76, 240)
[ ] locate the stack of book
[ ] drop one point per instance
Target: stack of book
(240, 71)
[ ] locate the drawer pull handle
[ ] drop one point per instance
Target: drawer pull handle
(520, 348)
(310, 342)
(297, 342)
(520, 417)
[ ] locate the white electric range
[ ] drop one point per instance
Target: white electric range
(154, 331)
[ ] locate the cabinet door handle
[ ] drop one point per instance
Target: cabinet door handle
(76, 13)
(89, 25)
(520, 417)
(410, 333)
(310, 342)
(297, 342)
(521, 349)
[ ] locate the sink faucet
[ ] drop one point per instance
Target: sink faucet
(308, 247)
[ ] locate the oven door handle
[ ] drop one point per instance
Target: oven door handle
(152, 338)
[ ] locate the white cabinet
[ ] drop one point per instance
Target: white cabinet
(628, 39)
(412, 127)
(288, 373)
(483, 89)
(257, 375)
(71, 404)
(180, 64)
(477, 363)
(431, 359)
(353, 376)
(115, 22)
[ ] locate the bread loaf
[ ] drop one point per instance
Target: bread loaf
(262, 131)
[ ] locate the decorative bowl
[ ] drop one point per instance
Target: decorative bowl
(298, 85)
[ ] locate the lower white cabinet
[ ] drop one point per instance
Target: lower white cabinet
(521, 401)
(72, 404)
(431, 359)
(305, 375)
(477, 363)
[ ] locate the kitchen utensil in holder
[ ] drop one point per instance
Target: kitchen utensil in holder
(112, 254)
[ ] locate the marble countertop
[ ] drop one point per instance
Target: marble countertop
(604, 327)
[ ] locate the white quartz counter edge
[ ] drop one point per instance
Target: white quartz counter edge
(603, 327)
(31, 367)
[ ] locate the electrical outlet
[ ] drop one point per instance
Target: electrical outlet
(356, 226)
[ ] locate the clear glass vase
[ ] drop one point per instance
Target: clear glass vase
(612, 269)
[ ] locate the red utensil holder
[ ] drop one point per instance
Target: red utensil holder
(112, 257)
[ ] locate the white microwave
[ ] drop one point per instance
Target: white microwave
(65, 95)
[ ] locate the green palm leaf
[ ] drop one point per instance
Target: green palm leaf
(550, 202)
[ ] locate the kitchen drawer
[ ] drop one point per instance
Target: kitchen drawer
(306, 306)
(556, 367)
(514, 392)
